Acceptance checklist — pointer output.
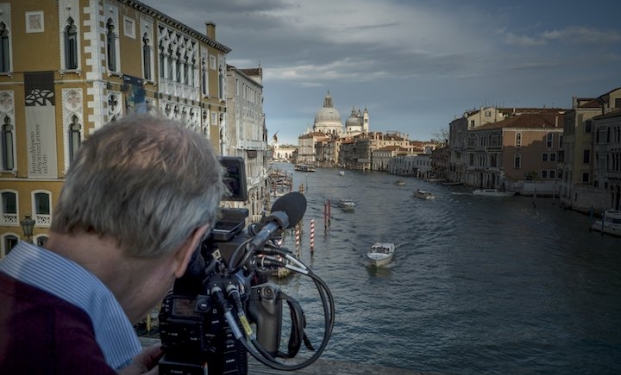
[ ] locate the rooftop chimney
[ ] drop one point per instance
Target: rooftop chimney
(211, 30)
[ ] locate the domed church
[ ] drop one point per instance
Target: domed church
(358, 122)
(328, 119)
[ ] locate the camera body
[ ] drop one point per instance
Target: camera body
(193, 329)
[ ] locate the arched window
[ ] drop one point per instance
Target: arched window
(204, 76)
(8, 206)
(162, 66)
(9, 241)
(41, 240)
(146, 56)
(42, 208)
(178, 66)
(5, 54)
(71, 45)
(169, 63)
(75, 137)
(8, 158)
(111, 46)
(221, 82)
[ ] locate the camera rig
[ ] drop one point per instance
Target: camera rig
(224, 307)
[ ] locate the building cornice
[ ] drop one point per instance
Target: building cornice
(175, 24)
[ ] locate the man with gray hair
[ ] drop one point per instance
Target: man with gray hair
(140, 196)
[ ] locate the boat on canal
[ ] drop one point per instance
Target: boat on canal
(304, 168)
(609, 223)
(381, 253)
(424, 194)
(346, 204)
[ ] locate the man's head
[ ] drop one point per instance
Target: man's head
(145, 182)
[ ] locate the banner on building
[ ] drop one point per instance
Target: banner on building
(41, 124)
(135, 95)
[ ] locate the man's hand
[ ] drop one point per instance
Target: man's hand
(145, 362)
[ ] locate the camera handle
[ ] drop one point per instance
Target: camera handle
(298, 323)
(265, 308)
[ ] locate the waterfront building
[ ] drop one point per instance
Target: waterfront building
(440, 162)
(283, 152)
(306, 147)
(383, 159)
(578, 185)
(458, 137)
(517, 154)
(607, 158)
(71, 66)
(245, 135)
(327, 151)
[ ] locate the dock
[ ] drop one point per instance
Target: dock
(319, 367)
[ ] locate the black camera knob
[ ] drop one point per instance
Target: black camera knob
(202, 305)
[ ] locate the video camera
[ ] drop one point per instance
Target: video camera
(207, 320)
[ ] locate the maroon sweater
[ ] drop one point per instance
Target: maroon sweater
(42, 334)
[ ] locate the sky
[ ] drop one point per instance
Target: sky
(414, 65)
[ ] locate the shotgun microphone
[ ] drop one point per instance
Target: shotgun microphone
(286, 212)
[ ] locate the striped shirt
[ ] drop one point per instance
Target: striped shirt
(69, 281)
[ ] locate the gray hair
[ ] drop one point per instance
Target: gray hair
(145, 181)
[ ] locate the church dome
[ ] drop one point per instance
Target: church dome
(353, 120)
(327, 113)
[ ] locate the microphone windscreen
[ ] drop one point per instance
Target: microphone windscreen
(293, 204)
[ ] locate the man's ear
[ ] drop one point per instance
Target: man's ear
(184, 253)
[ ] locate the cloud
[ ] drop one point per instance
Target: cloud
(570, 35)
(413, 64)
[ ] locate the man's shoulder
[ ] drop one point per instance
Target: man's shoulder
(24, 297)
(34, 321)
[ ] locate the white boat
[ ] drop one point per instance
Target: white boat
(609, 223)
(493, 193)
(400, 182)
(341, 173)
(381, 253)
(423, 194)
(346, 204)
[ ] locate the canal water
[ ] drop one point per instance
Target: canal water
(479, 285)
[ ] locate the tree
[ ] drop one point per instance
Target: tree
(441, 135)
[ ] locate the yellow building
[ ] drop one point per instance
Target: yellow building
(67, 67)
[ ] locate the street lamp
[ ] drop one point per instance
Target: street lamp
(27, 226)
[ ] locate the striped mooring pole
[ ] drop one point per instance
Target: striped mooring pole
(312, 235)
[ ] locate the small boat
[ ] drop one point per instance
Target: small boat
(304, 168)
(346, 204)
(452, 183)
(493, 193)
(423, 194)
(381, 253)
(341, 173)
(400, 182)
(609, 223)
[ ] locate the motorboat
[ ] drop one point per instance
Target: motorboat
(423, 194)
(346, 204)
(609, 223)
(381, 253)
(400, 182)
(341, 173)
(493, 193)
